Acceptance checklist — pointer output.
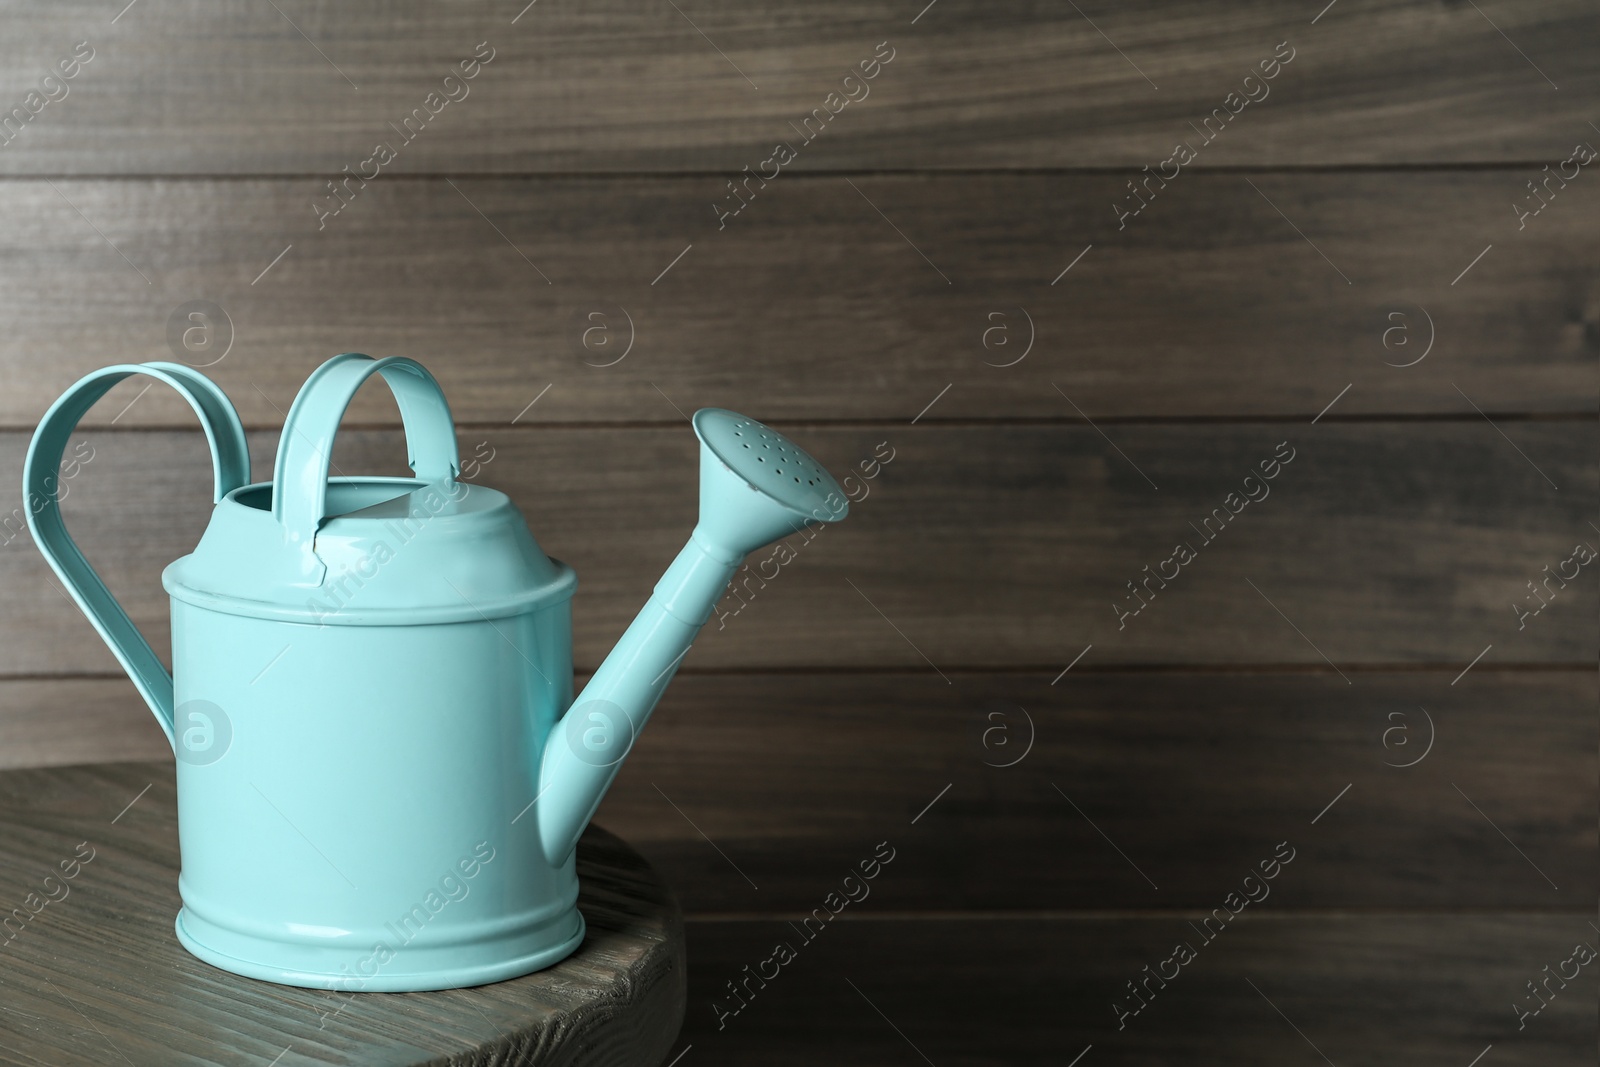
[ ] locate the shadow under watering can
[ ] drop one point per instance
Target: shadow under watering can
(416, 726)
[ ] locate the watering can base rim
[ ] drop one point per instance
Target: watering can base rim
(481, 965)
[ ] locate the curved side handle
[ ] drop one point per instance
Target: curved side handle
(230, 460)
(300, 476)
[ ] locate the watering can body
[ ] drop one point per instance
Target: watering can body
(381, 770)
(382, 732)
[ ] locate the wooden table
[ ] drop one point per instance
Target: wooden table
(97, 976)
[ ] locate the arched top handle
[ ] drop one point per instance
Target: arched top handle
(230, 461)
(300, 476)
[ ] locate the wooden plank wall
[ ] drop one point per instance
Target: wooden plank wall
(1072, 773)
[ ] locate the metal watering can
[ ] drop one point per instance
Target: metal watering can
(382, 774)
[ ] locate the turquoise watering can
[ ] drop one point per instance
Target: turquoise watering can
(382, 774)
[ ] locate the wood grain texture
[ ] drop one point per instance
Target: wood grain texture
(619, 86)
(954, 251)
(50, 722)
(977, 546)
(1194, 777)
(1431, 990)
(809, 304)
(98, 975)
(795, 777)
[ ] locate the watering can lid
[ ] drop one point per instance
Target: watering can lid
(392, 551)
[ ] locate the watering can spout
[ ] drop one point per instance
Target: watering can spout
(755, 486)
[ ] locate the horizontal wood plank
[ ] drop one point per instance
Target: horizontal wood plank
(976, 546)
(623, 298)
(60, 721)
(1434, 991)
(310, 87)
(1195, 777)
